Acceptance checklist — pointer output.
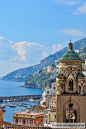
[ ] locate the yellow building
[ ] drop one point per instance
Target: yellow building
(2, 111)
(70, 88)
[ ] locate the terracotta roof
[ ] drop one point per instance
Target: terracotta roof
(25, 113)
(6, 123)
(54, 107)
(53, 82)
(54, 98)
(37, 106)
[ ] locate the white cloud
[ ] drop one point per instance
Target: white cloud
(68, 2)
(72, 32)
(22, 54)
(28, 51)
(81, 9)
(6, 51)
(57, 47)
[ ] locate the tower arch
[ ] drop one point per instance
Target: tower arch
(74, 115)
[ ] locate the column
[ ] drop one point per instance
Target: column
(28, 122)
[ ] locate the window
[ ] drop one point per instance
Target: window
(30, 122)
(54, 88)
(55, 117)
(79, 89)
(48, 92)
(71, 85)
(16, 121)
(24, 122)
(37, 122)
(41, 122)
(49, 115)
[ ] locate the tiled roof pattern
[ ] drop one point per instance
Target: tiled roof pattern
(70, 55)
(6, 123)
(60, 74)
(81, 75)
(26, 113)
(38, 106)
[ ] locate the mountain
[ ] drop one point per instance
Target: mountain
(43, 77)
(22, 74)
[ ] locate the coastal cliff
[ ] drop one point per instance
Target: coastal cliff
(22, 74)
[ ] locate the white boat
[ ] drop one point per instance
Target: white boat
(3, 105)
(24, 103)
(23, 109)
(4, 100)
(12, 105)
(31, 100)
(19, 104)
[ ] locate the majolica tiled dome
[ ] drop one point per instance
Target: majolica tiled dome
(60, 75)
(81, 75)
(70, 55)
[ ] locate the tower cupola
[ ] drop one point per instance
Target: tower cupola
(70, 46)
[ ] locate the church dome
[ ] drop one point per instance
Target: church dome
(70, 55)
(60, 75)
(81, 75)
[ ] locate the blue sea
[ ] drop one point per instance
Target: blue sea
(11, 88)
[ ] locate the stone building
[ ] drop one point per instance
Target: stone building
(28, 119)
(2, 111)
(70, 89)
(48, 93)
(35, 109)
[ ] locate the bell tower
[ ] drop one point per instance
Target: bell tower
(70, 81)
(70, 46)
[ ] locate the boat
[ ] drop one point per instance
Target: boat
(12, 105)
(24, 103)
(19, 104)
(4, 100)
(23, 109)
(8, 104)
(3, 105)
(31, 100)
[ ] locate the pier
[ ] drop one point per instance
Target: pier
(20, 98)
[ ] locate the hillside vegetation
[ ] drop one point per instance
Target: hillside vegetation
(22, 74)
(42, 77)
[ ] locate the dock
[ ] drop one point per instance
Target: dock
(19, 98)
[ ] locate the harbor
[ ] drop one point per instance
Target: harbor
(16, 102)
(20, 98)
(12, 107)
(11, 93)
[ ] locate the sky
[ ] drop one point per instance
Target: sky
(31, 30)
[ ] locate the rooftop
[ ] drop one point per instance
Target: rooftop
(70, 55)
(25, 113)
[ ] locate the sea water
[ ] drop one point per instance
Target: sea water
(11, 88)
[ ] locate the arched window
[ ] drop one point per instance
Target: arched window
(79, 89)
(71, 85)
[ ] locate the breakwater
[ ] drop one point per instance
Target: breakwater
(20, 98)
